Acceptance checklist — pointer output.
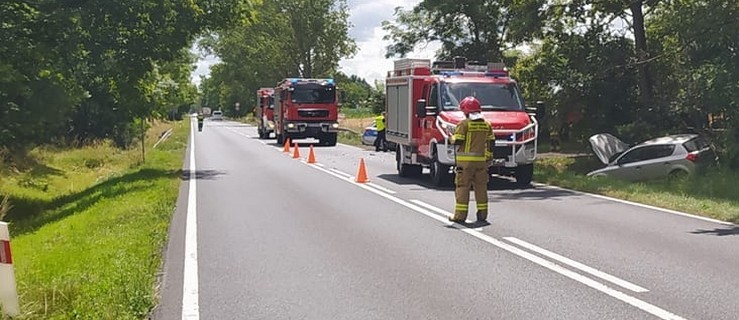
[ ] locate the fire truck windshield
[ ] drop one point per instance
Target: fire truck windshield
(492, 96)
(313, 94)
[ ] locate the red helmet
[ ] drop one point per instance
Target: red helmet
(470, 105)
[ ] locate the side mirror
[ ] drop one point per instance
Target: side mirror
(421, 108)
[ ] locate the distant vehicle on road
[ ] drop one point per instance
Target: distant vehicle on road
(665, 157)
(217, 115)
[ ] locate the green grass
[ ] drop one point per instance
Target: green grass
(352, 113)
(350, 138)
(712, 194)
(88, 227)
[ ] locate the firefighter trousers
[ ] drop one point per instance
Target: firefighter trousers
(477, 177)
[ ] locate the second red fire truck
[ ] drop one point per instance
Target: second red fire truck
(422, 111)
(306, 108)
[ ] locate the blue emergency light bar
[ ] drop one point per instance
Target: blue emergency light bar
(472, 73)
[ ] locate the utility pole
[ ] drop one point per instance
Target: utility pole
(143, 140)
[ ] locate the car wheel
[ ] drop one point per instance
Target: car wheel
(677, 174)
(524, 174)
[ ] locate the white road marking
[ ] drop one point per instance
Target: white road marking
(190, 307)
(646, 206)
(623, 283)
(381, 188)
(552, 255)
(341, 173)
(643, 305)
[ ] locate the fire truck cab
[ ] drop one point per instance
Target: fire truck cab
(306, 108)
(422, 112)
(265, 112)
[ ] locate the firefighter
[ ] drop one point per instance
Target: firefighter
(380, 143)
(474, 138)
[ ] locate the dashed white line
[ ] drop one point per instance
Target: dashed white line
(577, 265)
(190, 307)
(381, 188)
(643, 305)
(341, 173)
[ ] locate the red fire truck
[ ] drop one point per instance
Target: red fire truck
(422, 111)
(306, 108)
(265, 112)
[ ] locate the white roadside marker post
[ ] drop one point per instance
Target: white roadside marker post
(8, 291)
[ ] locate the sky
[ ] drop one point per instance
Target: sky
(369, 62)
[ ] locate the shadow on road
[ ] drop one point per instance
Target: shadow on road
(315, 144)
(202, 174)
(728, 231)
(424, 181)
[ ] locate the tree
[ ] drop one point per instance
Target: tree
(287, 38)
(478, 30)
(87, 69)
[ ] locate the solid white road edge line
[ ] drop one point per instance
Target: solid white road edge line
(623, 283)
(381, 188)
(643, 305)
(190, 308)
(341, 172)
(646, 206)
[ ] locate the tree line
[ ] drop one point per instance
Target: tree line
(84, 70)
(289, 38)
(634, 68)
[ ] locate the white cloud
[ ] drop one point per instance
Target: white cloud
(370, 62)
(202, 66)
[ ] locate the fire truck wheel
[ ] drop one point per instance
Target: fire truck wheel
(329, 140)
(524, 174)
(404, 169)
(440, 175)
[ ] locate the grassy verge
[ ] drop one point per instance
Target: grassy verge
(354, 113)
(711, 195)
(88, 227)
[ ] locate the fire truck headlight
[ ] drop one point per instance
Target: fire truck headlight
(335, 125)
(291, 125)
(448, 128)
(270, 124)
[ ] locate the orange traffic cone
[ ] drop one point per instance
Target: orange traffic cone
(286, 148)
(362, 173)
(296, 153)
(311, 156)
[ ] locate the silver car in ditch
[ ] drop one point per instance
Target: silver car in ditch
(664, 157)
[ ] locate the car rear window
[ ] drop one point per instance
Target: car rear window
(696, 144)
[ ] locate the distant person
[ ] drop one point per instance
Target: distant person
(380, 142)
(201, 118)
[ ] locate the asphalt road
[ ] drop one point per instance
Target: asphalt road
(277, 238)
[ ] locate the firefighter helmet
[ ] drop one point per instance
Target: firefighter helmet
(470, 105)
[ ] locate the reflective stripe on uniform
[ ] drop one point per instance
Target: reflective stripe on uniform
(470, 156)
(461, 207)
(482, 206)
(477, 126)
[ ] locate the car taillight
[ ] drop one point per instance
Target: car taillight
(692, 157)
